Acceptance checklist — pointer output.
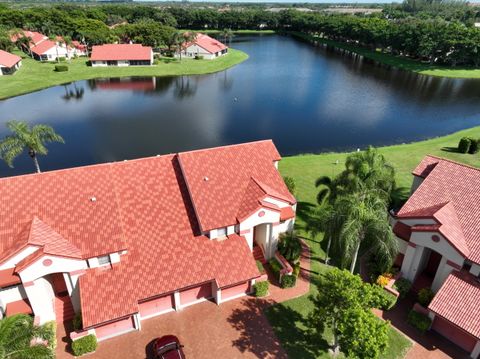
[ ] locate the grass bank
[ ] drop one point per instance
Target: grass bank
(290, 319)
(397, 61)
(34, 75)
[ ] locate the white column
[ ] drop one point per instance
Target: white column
(136, 321)
(412, 262)
(476, 351)
(442, 273)
(176, 297)
(217, 293)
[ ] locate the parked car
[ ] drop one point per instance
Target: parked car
(168, 347)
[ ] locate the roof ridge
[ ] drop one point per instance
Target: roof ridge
(454, 162)
(226, 146)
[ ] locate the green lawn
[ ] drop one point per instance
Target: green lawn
(400, 62)
(34, 75)
(289, 318)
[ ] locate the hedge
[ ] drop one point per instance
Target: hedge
(425, 296)
(419, 321)
(474, 146)
(261, 288)
(464, 145)
(403, 286)
(288, 281)
(84, 345)
(61, 68)
(260, 267)
(276, 267)
(198, 57)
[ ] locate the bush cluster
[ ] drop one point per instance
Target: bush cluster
(84, 345)
(468, 145)
(425, 296)
(382, 299)
(288, 281)
(275, 266)
(403, 286)
(61, 68)
(261, 288)
(198, 57)
(419, 321)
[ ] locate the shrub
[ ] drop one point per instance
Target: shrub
(290, 247)
(260, 267)
(84, 345)
(50, 334)
(62, 59)
(381, 299)
(425, 296)
(403, 286)
(275, 266)
(288, 281)
(61, 68)
(383, 280)
(261, 288)
(290, 182)
(419, 321)
(156, 61)
(464, 145)
(198, 57)
(77, 321)
(474, 146)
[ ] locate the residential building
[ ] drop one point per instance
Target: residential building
(438, 231)
(9, 63)
(121, 55)
(122, 242)
(205, 46)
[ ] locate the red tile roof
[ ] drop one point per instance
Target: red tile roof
(165, 250)
(286, 213)
(8, 60)
(8, 277)
(458, 302)
(35, 37)
(447, 196)
(119, 52)
(208, 43)
(218, 180)
(43, 47)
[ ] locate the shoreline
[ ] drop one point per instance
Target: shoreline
(34, 76)
(397, 62)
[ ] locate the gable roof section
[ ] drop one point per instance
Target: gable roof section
(426, 166)
(8, 60)
(35, 37)
(457, 301)
(165, 252)
(208, 43)
(120, 52)
(43, 47)
(448, 196)
(218, 178)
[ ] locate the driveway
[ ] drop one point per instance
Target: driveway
(234, 329)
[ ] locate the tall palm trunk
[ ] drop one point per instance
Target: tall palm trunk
(328, 249)
(354, 259)
(33, 155)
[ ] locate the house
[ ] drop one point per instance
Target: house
(9, 63)
(121, 55)
(205, 46)
(42, 48)
(438, 230)
(35, 37)
(122, 242)
(78, 49)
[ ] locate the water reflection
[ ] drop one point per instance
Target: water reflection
(307, 99)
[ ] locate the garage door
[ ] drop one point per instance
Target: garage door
(156, 306)
(115, 328)
(193, 294)
(454, 334)
(235, 290)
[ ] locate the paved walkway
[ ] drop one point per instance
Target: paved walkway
(234, 329)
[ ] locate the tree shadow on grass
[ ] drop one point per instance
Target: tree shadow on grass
(450, 149)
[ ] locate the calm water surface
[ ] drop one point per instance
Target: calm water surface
(306, 99)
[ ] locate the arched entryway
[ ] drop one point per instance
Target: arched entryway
(428, 269)
(62, 302)
(261, 238)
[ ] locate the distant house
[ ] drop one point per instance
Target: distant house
(35, 37)
(205, 46)
(43, 49)
(9, 63)
(121, 55)
(78, 49)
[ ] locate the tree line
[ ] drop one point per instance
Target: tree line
(438, 33)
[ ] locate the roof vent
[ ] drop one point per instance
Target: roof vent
(205, 178)
(93, 199)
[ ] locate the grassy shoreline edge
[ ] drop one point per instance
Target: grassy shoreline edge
(34, 76)
(396, 61)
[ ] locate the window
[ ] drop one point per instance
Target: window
(103, 260)
(222, 232)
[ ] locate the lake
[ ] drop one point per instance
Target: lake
(306, 99)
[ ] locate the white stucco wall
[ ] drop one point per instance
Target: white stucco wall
(402, 245)
(414, 221)
(52, 53)
(443, 246)
(41, 297)
(277, 202)
(193, 50)
(12, 294)
(59, 265)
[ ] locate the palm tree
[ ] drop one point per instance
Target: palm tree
(55, 40)
(16, 335)
(181, 39)
(227, 34)
(67, 41)
(362, 219)
(23, 137)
